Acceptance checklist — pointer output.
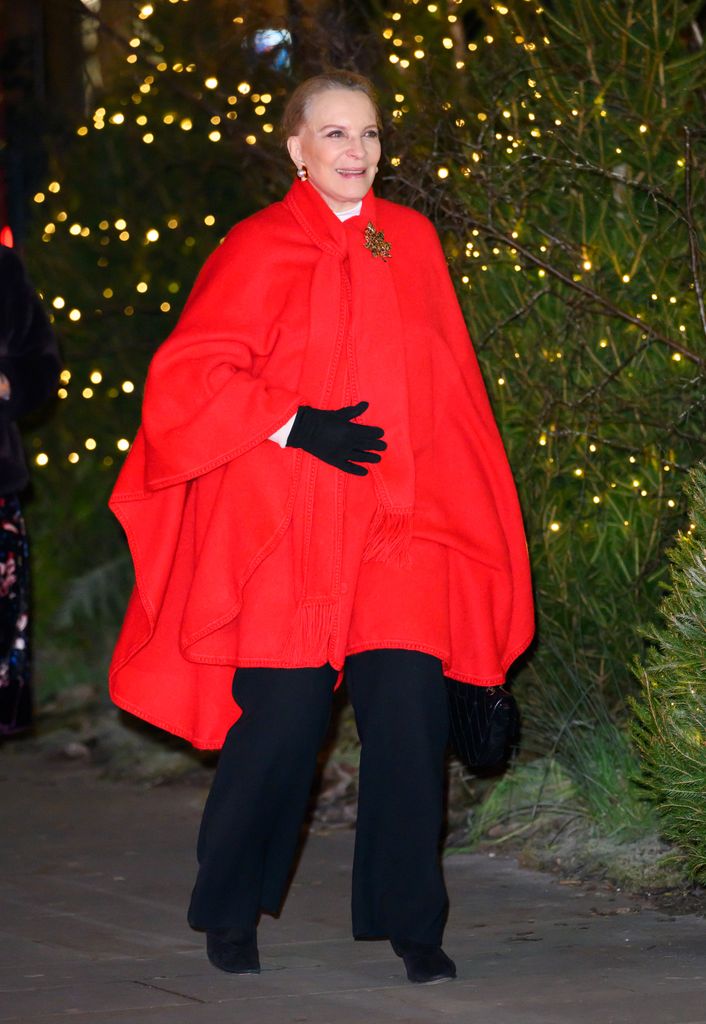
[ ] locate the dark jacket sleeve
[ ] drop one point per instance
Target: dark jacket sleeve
(29, 355)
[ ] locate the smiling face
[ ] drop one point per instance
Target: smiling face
(340, 145)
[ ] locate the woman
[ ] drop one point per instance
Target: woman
(280, 543)
(29, 372)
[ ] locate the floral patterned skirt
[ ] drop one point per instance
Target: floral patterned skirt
(15, 692)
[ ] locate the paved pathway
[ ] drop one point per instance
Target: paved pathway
(96, 877)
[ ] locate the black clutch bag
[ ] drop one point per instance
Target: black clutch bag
(484, 724)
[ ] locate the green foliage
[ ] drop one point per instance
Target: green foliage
(516, 800)
(571, 725)
(536, 814)
(597, 383)
(669, 722)
(563, 164)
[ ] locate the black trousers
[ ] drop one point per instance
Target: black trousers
(253, 814)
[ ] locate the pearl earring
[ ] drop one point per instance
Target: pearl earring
(302, 173)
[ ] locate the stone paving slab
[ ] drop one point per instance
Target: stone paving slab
(96, 880)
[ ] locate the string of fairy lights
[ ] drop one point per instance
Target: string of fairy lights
(148, 52)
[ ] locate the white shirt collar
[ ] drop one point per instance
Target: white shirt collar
(345, 214)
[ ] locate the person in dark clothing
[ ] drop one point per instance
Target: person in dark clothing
(29, 370)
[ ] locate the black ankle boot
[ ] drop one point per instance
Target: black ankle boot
(234, 951)
(426, 965)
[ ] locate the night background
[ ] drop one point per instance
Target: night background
(560, 150)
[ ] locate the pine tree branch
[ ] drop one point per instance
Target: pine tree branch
(601, 300)
(693, 240)
(613, 375)
(516, 314)
(576, 434)
(461, 220)
(577, 163)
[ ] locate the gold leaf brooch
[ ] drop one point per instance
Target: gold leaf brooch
(375, 241)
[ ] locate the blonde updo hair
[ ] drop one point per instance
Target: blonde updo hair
(297, 106)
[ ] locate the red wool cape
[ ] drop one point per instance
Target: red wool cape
(246, 553)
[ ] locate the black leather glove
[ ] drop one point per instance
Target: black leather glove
(330, 436)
